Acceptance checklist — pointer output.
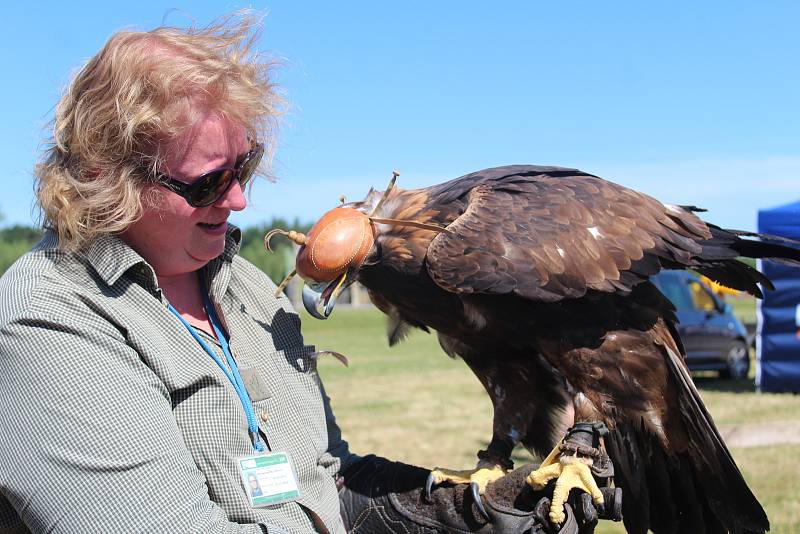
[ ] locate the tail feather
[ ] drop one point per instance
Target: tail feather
(717, 259)
(766, 246)
(629, 457)
(767, 250)
(729, 498)
(737, 275)
(661, 493)
(695, 491)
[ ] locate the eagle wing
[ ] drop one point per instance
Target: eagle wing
(553, 235)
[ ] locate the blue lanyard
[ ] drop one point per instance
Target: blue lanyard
(233, 375)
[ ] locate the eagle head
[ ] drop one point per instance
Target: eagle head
(335, 248)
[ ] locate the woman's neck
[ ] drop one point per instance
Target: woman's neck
(185, 293)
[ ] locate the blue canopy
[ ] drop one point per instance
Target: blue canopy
(778, 341)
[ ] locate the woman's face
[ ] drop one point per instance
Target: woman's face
(172, 236)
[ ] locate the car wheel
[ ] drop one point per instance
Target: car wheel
(737, 361)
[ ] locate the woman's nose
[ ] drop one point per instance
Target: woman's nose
(233, 199)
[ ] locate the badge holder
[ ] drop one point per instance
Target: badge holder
(269, 478)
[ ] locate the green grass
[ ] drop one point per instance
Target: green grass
(413, 403)
(744, 307)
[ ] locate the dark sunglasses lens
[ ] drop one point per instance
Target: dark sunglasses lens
(250, 165)
(209, 188)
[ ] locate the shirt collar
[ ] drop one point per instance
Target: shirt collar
(111, 257)
(233, 240)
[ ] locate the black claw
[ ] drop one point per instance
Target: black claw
(428, 487)
(476, 496)
(601, 508)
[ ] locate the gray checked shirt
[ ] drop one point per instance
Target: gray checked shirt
(114, 419)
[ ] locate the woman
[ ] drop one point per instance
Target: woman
(147, 374)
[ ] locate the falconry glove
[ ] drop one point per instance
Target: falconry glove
(378, 496)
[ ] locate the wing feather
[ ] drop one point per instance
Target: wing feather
(550, 235)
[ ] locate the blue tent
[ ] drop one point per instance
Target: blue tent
(778, 341)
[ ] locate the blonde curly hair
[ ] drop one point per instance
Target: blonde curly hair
(136, 95)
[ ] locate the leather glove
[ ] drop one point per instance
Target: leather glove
(379, 496)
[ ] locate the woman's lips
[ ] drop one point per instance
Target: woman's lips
(214, 229)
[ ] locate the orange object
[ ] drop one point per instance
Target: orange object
(340, 239)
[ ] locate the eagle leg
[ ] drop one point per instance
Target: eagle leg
(574, 463)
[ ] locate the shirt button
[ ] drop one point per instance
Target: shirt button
(263, 415)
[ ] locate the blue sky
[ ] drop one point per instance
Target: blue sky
(692, 102)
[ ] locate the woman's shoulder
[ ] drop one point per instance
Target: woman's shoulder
(33, 272)
(42, 282)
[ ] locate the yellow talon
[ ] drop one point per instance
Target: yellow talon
(570, 472)
(538, 479)
(482, 476)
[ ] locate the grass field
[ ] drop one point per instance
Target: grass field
(412, 403)
(744, 307)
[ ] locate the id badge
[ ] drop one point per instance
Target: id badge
(269, 478)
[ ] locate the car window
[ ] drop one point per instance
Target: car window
(701, 298)
(677, 292)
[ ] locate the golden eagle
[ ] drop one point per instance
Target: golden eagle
(538, 278)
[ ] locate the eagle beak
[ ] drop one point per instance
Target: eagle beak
(320, 298)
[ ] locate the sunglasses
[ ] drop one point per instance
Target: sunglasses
(209, 187)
